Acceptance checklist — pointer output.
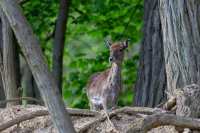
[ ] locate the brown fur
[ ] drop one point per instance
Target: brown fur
(103, 87)
(116, 46)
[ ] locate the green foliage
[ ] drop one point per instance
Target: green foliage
(80, 70)
(89, 23)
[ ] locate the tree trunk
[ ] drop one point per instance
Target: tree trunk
(9, 62)
(2, 93)
(151, 82)
(180, 21)
(59, 40)
(29, 87)
(17, 62)
(37, 94)
(26, 81)
(33, 54)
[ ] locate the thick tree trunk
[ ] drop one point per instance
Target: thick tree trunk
(9, 62)
(180, 21)
(151, 82)
(33, 54)
(59, 40)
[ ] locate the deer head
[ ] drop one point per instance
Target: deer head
(117, 51)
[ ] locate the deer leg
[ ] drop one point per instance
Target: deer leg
(106, 111)
(92, 107)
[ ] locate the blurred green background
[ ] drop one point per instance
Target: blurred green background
(89, 23)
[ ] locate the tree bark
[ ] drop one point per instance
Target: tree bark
(151, 82)
(187, 101)
(33, 54)
(28, 85)
(26, 81)
(2, 93)
(9, 62)
(37, 94)
(162, 119)
(180, 21)
(59, 40)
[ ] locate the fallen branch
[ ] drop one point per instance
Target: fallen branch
(125, 110)
(28, 116)
(133, 110)
(22, 118)
(162, 119)
(88, 125)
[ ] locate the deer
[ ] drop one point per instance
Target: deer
(103, 88)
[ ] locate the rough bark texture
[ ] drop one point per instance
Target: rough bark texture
(187, 109)
(59, 40)
(2, 93)
(33, 54)
(167, 119)
(187, 101)
(9, 61)
(151, 81)
(180, 21)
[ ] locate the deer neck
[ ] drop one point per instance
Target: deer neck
(114, 77)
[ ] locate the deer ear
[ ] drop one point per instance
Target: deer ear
(108, 43)
(125, 43)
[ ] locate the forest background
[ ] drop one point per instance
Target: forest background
(89, 23)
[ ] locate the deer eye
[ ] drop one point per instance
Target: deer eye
(121, 49)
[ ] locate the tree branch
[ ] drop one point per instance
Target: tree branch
(162, 119)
